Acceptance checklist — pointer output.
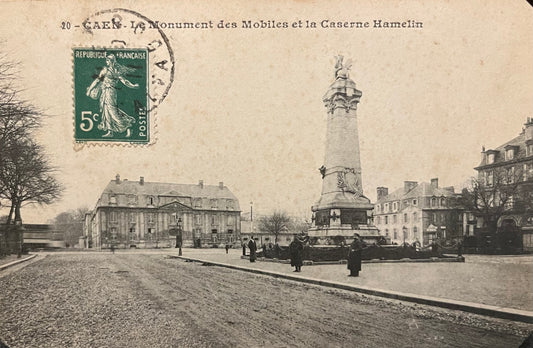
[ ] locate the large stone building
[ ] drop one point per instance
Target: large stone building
(149, 215)
(418, 212)
(507, 173)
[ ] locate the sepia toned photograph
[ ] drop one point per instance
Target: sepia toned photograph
(266, 174)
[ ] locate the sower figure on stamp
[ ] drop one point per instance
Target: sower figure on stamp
(296, 249)
(253, 248)
(354, 256)
(104, 88)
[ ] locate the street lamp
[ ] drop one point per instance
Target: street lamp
(179, 236)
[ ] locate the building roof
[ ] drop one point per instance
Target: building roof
(168, 189)
(422, 189)
(518, 142)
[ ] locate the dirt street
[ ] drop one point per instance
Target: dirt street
(143, 300)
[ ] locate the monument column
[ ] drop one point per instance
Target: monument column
(342, 209)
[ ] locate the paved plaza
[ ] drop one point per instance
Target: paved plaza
(503, 281)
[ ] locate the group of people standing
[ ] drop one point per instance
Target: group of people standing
(296, 248)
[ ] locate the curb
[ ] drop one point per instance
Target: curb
(470, 307)
(13, 263)
(343, 262)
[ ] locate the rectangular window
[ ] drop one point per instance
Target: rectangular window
(414, 217)
(151, 218)
(394, 219)
(214, 220)
(414, 202)
(405, 218)
(386, 220)
(113, 216)
(133, 217)
(197, 219)
(395, 234)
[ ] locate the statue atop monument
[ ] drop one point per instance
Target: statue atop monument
(342, 69)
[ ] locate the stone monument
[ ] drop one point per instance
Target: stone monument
(342, 209)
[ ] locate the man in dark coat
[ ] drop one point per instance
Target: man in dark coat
(296, 250)
(253, 248)
(354, 256)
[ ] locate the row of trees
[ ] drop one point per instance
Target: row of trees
(26, 174)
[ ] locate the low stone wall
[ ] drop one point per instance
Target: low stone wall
(337, 253)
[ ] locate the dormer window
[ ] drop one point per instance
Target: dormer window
(510, 152)
(113, 200)
(151, 200)
(490, 158)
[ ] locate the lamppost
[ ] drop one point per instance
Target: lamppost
(179, 236)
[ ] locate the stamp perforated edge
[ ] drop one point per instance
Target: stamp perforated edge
(80, 144)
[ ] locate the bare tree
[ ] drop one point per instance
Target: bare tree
(71, 224)
(26, 175)
(493, 195)
(276, 223)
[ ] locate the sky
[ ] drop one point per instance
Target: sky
(245, 106)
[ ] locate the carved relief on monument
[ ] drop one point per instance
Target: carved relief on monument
(339, 102)
(348, 181)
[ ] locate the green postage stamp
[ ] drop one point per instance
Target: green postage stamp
(111, 95)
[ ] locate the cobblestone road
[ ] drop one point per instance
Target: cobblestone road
(147, 300)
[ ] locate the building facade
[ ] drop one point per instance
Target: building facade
(507, 172)
(418, 212)
(151, 214)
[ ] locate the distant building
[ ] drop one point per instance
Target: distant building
(514, 161)
(147, 214)
(418, 212)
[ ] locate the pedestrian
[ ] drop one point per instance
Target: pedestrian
(113, 248)
(227, 248)
(243, 249)
(354, 256)
(460, 249)
(296, 250)
(253, 248)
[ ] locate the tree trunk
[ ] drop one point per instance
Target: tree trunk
(18, 228)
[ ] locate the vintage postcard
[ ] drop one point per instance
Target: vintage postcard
(399, 130)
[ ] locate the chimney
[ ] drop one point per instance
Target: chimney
(117, 179)
(409, 185)
(221, 185)
(382, 192)
(141, 180)
(201, 183)
(528, 131)
(435, 182)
